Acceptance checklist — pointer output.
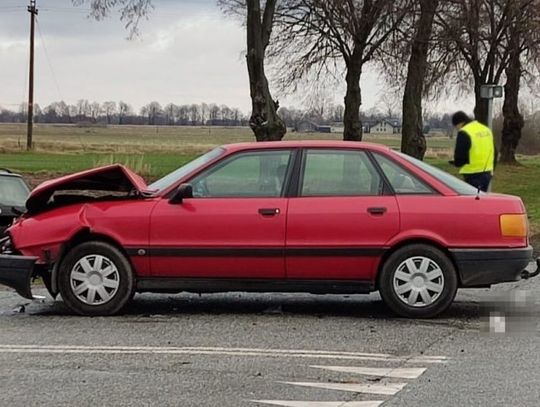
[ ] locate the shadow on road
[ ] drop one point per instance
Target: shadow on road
(269, 305)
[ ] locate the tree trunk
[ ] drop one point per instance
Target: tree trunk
(413, 141)
(513, 120)
(264, 121)
(353, 101)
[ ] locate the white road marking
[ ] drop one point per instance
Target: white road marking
(398, 373)
(387, 389)
(216, 351)
(287, 403)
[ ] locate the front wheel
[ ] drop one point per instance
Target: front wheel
(418, 281)
(95, 278)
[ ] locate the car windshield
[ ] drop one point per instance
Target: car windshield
(181, 172)
(13, 191)
(449, 180)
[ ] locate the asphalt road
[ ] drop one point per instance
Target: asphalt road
(258, 350)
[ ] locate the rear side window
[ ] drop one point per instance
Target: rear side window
(402, 181)
(449, 180)
(339, 173)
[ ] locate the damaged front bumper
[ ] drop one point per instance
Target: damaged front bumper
(17, 272)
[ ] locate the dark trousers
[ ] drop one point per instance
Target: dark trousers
(480, 180)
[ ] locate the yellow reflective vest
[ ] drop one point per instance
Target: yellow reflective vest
(482, 152)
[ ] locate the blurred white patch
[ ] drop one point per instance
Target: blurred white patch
(497, 323)
(511, 313)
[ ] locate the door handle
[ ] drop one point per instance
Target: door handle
(269, 211)
(377, 211)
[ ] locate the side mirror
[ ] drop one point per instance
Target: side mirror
(184, 191)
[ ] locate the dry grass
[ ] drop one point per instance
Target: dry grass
(163, 139)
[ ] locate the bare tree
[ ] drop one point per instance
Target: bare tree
(413, 141)
(124, 110)
(109, 109)
(318, 37)
(194, 114)
(477, 31)
(152, 111)
(214, 111)
(319, 104)
(523, 49)
(83, 109)
(131, 11)
(265, 121)
(95, 110)
(170, 113)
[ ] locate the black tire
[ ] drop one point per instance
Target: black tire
(449, 281)
(119, 296)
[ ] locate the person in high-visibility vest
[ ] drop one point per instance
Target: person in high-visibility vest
(475, 153)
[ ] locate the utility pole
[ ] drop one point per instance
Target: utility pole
(33, 12)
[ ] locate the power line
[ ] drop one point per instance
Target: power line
(66, 10)
(48, 59)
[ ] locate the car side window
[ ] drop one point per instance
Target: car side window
(401, 180)
(340, 173)
(250, 174)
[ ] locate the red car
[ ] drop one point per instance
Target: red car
(317, 217)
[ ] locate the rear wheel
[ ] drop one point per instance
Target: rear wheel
(95, 278)
(418, 281)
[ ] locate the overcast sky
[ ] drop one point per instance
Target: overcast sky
(188, 52)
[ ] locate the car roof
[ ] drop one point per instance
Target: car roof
(306, 144)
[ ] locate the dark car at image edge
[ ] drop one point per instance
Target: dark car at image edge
(13, 194)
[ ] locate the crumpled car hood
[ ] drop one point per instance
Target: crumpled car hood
(114, 178)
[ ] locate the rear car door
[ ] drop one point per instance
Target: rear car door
(233, 227)
(342, 218)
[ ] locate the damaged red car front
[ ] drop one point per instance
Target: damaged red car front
(60, 212)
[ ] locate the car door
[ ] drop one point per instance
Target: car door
(342, 218)
(233, 227)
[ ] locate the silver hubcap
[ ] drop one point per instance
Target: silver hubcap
(418, 281)
(94, 279)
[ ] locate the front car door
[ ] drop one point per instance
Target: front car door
(342, 218)
(233, 227)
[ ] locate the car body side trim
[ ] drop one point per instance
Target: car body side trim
(257, 251)
(213, 285)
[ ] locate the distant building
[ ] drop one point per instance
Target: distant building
(336, 127)
(324, 129)
(386, 126)
(367, 125)
(306, 126)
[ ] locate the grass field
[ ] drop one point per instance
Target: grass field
(155, 151)
(148, 139)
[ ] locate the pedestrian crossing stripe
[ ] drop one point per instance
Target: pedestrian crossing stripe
(387, 389)
(396, 373)
(287, 403)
